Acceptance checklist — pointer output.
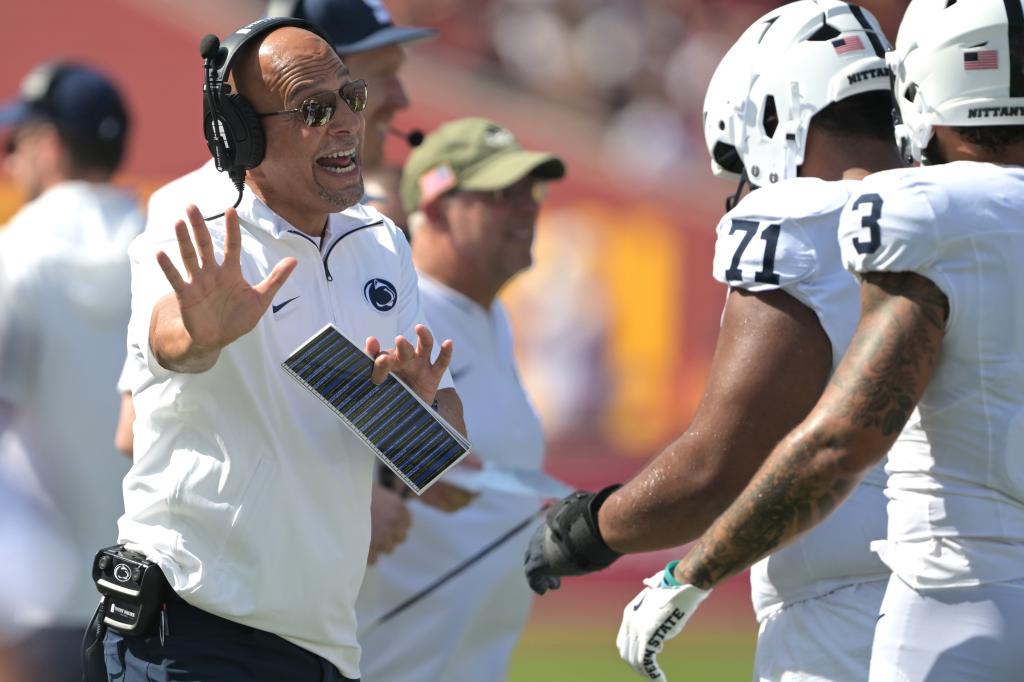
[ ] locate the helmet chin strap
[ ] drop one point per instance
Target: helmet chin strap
(730, 202)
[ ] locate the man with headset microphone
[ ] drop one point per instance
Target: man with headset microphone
(246, 494)
(372, 47)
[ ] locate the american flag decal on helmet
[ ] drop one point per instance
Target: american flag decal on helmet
(981, 59)
(850, 44)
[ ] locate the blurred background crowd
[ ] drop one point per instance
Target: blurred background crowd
(616, 321)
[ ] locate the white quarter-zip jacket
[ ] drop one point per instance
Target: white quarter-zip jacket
(250, 494)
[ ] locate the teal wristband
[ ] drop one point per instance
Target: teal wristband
(668, 579)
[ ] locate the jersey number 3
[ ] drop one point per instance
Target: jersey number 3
(870, 223)
(770, 235)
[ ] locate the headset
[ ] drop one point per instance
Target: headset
(233, 131)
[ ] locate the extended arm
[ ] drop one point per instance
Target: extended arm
(880, 380)
(876, 386)
(770, 365)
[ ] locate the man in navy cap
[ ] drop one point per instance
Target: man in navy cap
(67, 106)
(64, 288)
(370, 44)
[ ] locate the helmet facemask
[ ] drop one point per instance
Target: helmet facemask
(788, 66)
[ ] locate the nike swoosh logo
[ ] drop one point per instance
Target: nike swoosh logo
(278, 307)
(637, 605)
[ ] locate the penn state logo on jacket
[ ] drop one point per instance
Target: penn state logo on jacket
(381, 294)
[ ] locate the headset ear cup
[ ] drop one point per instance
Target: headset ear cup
(247, 131)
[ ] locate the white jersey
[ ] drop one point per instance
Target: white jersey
(252, 497)
(783, 237)
(956, 510)
(62, 334)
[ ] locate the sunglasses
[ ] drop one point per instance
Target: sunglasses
(319, 109)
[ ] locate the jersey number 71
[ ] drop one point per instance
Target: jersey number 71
(770, 235)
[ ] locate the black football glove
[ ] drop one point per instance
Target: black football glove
(569, 542)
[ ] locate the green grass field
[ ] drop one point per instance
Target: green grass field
(571, 638)
(590, 655)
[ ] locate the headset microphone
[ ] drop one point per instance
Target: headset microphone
(210, 50)
(232, 128)
(414, 137)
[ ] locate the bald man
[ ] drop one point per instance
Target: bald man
(245, 491)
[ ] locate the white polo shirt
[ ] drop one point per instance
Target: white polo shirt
(249, 493)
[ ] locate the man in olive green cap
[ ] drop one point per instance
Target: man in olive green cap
(473, 195)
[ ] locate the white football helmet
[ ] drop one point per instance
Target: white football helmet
(789, 65)
(952, 66)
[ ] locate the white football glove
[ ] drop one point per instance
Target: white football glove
(657, 614)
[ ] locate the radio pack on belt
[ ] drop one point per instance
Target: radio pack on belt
(133, 589)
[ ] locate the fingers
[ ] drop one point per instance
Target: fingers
(232, 239)
(447, 497)
(202, 235)
(372, 346)
(389, 521)
(381, 366)
(380, 359)
(269, 287)
(629, 641)
(198, 255)
(170, 272)
(404, 349)
(536, 565)
(188, 252)
(542, 583)
(424, 341)
(444, 358)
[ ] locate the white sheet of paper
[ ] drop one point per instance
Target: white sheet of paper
(508, 480)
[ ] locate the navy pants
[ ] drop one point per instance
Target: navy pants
(202, 647)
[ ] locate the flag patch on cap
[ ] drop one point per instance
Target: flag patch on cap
(436, 182)
(981, 60)
(850, 44)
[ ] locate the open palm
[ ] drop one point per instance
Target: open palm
(217, 304)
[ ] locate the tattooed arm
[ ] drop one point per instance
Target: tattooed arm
(874, 390)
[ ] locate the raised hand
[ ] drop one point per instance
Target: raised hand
(216, 305)
(411, 365)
